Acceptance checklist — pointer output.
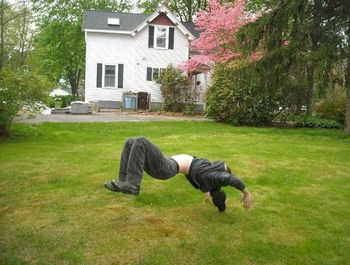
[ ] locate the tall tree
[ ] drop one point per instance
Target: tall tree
(186, 10)
(218, 27)
(2, 26)
(343, 12)
(318, 37)
(60, 43)
(16, 33)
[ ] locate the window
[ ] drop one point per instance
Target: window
(161, 37)
(109, 75)
(153, 73)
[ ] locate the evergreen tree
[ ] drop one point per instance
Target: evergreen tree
(316, 35)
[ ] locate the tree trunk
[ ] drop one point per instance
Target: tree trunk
(310, 92)
(2, 7)
(22, 48)
(74, 78)
(74, 86)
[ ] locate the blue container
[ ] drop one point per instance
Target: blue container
(129, 102)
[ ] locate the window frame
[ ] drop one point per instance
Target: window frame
(156, 27)
(159, 72)
(104, 75)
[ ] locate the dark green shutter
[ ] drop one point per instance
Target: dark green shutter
(120, 75)
(99, 75)
(150, 36)
(171, 38)
(149, 74)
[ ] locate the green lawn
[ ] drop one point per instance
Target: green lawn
(55, 210)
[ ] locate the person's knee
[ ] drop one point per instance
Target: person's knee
(141, 140)
(130, 141)
(214, 193)
(140, 143)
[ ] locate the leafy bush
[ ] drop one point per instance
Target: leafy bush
(315, 122)
(236, 95)
(255, 93)
(19, 89)
(333, 108)
(60, 101)
(66, 100)
(174, 86)
(190, 109)
(50, 102)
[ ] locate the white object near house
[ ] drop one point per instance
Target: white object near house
(126, 52)
(80, 107)
(59, 92)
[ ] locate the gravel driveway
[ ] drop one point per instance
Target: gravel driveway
(106, 117)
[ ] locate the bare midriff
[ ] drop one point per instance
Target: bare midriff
(184, 162)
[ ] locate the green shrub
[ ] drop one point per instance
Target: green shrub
(50, 102)
(315, 122)
(332, 108)
(189, 109)
(67, 100)
(19, 89)
(237, 96)
(256, 93)
(174, 86)
(60, 101)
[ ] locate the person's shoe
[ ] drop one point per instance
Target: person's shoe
(111, 186)
(219, 199)
(124, 187)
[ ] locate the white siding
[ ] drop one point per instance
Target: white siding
(108, 49)
(134, 53)
(156, 58)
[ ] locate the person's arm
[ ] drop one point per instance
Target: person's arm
(247, 198)
(229, 179)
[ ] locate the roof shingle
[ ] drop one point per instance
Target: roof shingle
(97, 20)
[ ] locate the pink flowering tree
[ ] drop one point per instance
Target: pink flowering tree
(218, 27)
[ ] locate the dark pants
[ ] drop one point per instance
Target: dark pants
(140, 155)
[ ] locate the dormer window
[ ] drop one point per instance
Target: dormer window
(113, 21)
(161, 36)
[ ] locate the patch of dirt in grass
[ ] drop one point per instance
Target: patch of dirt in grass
(256, 162)
(161, 227)
(116, 208)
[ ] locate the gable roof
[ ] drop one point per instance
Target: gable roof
(163, 9)
(192, 28)
(97, 20)
(130, 23)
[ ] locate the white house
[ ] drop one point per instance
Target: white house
(125, 52)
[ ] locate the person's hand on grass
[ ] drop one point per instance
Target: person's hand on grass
(207, 197)
(247, 199)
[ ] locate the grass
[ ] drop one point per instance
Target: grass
(54, 209)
